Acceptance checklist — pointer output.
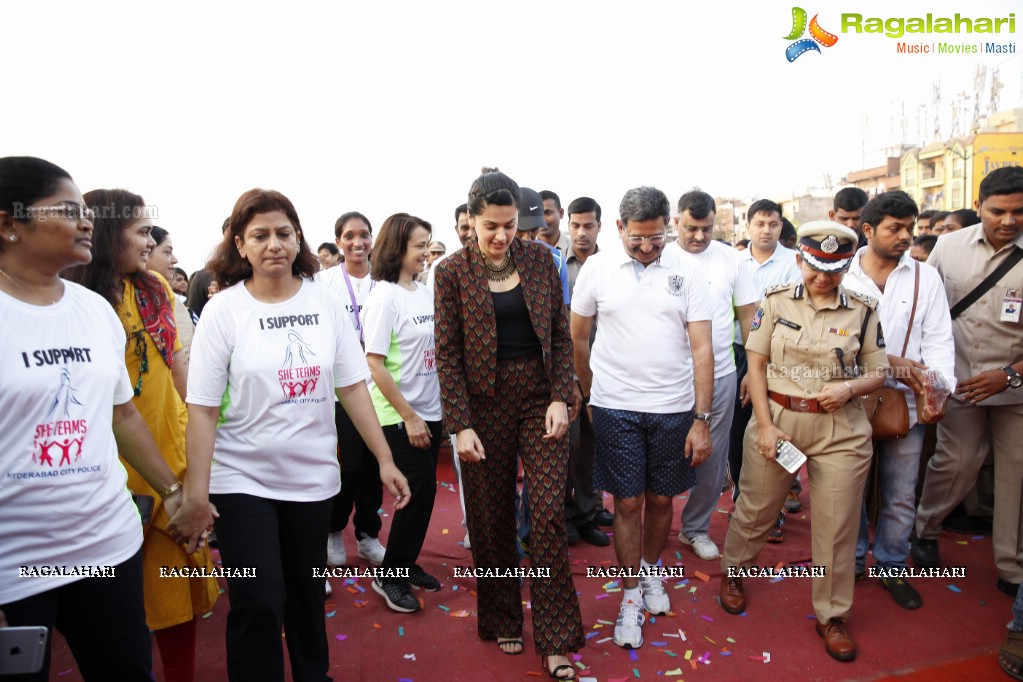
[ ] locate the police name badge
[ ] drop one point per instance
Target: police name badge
(1011, 304)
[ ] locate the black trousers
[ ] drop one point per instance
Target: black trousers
(580, 497)
(284, 542)
(103, 620)
(409, 525)
(360, 481)
(740, 420)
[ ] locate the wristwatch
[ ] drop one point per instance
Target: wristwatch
(703, 417)
(1013, 378)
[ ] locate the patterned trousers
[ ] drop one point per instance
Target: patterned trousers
(509, 424)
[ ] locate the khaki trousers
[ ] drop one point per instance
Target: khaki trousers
(838, 450)
(964, 437)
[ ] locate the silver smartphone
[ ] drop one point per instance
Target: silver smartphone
(790, 457)
(22, 650)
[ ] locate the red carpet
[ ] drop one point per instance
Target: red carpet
(954, 636)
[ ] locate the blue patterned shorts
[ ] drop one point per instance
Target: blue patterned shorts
(638, 452)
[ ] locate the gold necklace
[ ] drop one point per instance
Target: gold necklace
(26, 289)
(500, 272)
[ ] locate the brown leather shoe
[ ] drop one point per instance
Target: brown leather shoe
(837, 641)
(733, 599)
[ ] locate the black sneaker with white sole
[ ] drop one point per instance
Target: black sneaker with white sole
(397, 594)
(417, 577)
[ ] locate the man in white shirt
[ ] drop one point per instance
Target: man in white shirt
(732, 295)
(651, 306)
(769, 264)
(905, 289)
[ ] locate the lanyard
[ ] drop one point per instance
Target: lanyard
(355, 303)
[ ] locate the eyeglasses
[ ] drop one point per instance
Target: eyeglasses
(143, 356)
(68, 211)
(654, 239)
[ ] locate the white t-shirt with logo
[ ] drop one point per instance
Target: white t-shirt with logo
(729, 284)
(63, 495)
(334, 279)
(272, 368)
(641, 359)
(399, 326)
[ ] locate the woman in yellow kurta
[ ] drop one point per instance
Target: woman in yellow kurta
(156, 367)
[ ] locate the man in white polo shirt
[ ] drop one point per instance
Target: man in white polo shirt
(731, 294)
(651, 364)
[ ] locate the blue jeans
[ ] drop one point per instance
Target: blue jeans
(898, 468)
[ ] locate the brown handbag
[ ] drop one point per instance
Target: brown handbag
(886, 407)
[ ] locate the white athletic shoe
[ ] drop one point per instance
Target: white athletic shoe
(655, 599)
(629, 626)
(336, 555)
(371, 550)
(702, 545)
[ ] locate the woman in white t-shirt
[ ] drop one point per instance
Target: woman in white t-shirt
(360, 480)
(406, 395)
(71, 543)
(271, 353)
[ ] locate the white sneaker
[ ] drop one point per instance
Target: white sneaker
(371, 550)
(655, 599)
(629, 626)
(702, 545)
(465, 542)
(328, 589)
(336, 555)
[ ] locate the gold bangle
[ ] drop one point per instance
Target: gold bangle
(173, 488)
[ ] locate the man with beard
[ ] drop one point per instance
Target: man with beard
(905, 289)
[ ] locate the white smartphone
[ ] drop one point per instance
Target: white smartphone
(22, 650)
(790, 457)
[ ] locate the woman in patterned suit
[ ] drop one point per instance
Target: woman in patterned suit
(504, 356)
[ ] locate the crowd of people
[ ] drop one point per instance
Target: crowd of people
(279, 392)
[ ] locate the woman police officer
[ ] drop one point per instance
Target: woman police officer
(812, 348)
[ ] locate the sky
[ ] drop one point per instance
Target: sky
(390, 107)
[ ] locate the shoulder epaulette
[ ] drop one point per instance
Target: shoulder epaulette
(778, 288)
(869, 301)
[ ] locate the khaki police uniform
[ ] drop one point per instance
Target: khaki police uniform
(984, 340)
(801, 342)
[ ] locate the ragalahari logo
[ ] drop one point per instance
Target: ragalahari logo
(818, 35)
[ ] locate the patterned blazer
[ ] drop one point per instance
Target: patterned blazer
(466, 330)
